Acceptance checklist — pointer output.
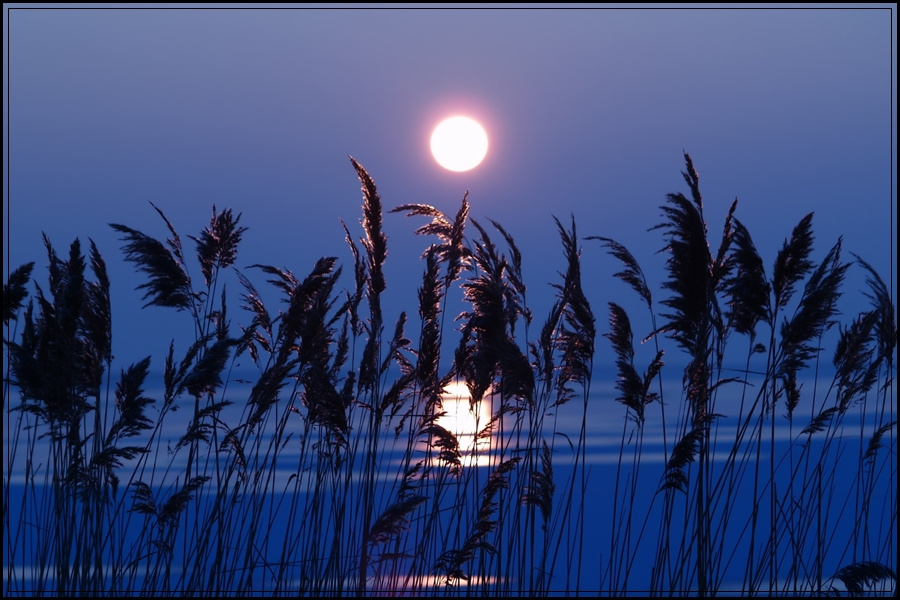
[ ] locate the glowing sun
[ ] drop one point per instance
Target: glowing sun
(459, 143)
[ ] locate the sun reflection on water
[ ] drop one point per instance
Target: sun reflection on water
(466, 421)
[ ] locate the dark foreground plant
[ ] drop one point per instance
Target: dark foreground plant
(335, 470)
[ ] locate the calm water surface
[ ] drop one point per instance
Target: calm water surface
(609, 454)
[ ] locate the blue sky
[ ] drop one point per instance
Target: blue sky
(588, 111)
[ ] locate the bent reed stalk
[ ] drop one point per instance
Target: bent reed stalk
(334, 470)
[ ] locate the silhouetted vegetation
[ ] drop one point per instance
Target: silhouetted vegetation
(331, 472)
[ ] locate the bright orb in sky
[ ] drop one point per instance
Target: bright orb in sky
(459, 143)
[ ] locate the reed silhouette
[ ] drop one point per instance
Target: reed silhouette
(331, 472)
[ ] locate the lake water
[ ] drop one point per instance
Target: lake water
(601, 553)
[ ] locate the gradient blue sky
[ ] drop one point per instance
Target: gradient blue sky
(588, 111)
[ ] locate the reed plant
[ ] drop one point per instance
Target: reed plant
(333, 470)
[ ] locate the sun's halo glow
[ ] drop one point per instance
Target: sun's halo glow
(459, 143)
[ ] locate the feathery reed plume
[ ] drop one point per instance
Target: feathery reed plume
(306, 319)
(693, 180)
(684, 453)
(455, 253)
(14, 292)
(178, 501)
(55, 273)
(203, 376)
(486, 347)
(859, 576)
(131, 403)
(635, 390)
(540, 489)
(875, 441)
(814, 314)
(302, 297)
(394, 519)
(325, 405)
(261, 320)
(792, 261)
(517, 379)
(173, 242)
(283, 279)
(169, 283)
(820, 422)
(632, 273)
(430, 296)
(68, 291)
(445, 441)
(106, 460)
(264, 393)
(395, 351)
(375, 244)
(451, 233)
(143, 500)
(172, 375)
(487, 258)
(496, 295)
(94, 319)
(218, 242)
(748, 289)
(342, 346)
(198, 429)
(689, 275)
(54, 374)
(577, 330)
(206, 375)
(542, 350)
(131, 421)
(721, 266)
(375, 241)
(306, 331)
(886, 326)
(856, 372)
(359, 281)
(514, 271)
(791, 393)
(440, 225)
(98, 314)
(628, 382)
(394, 398)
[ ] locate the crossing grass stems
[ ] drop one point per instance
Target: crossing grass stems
(109, 506)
